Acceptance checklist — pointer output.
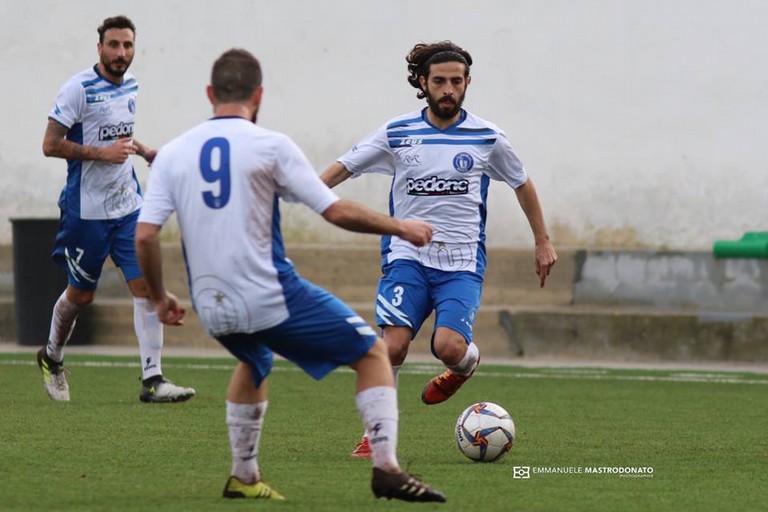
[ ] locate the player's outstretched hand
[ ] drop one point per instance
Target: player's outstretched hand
(417, 232)
(168, 310)
(546, 257)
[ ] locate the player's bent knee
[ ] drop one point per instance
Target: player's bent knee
(80, 298)
(397, 346)
(397, 354)
(451, 352)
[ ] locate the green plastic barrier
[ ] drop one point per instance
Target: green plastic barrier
(752, 245)
(755, 235)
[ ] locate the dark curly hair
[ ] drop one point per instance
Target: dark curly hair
(424, 55)
(115, 22)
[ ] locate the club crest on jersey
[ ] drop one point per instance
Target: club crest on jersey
(463, 162)
(132, 105)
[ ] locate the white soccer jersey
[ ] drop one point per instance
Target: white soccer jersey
(98, 112)
(442, 177)
(223, 178)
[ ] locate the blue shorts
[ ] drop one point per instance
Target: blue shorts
(321, 333)
(82, 247)
(409, 291)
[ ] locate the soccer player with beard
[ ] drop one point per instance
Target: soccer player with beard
(91, 126)
(442, 159)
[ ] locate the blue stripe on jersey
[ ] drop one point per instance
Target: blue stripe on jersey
(416, 131)
(435, 131)
(477, 131)
(189, 276)
(386, 243)
(91, 82)
(130, 84)
(75, 133)
(485, 182)
(74, 171)
(136, 181)
(278, 249)
(98, 90)
(286, 273)
(407, 143)
(97, 98)
(386, 240)
(404, 122)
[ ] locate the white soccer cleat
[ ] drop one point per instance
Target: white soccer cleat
(165, 391)
(54, 378)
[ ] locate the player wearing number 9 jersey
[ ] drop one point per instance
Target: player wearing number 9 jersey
(224, 179)
(229, 217)
(442, 159)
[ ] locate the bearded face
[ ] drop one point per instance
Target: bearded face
(116, 52)
(445, 107)
(445, 88)
(116, 67)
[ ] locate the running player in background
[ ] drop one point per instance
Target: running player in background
(91, 125)
(442, 159)
(228, 174)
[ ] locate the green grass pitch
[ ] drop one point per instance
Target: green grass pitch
(703, 435)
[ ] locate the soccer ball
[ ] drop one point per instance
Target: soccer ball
(485, 432)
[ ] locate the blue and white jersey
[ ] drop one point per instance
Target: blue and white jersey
(442, 177)
(223, 178)
(97, 113)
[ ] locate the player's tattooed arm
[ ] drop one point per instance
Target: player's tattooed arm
(56, 144)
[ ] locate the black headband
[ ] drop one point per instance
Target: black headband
(445, 56)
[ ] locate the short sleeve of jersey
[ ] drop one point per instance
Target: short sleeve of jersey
(158, 200)
(297, 180)
(370, 155)
(503, 164)
(69, 106)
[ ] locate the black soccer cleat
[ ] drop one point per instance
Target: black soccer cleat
(402, 486)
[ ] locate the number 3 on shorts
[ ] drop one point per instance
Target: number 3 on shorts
(398, 298)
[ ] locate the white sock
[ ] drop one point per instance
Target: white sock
(395, 372)
(62, 323)
(149, 331)
(468, 363)
(378, 410)
(244, 422)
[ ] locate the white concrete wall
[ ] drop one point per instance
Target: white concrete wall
(640, 121)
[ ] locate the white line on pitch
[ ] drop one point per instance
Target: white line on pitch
(423, 369)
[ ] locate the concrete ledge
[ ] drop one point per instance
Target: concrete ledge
(353, 273)
(639, 335)
(601, 305)
(690, 281)
(575, 332)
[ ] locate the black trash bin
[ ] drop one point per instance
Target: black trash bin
(38, 282)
